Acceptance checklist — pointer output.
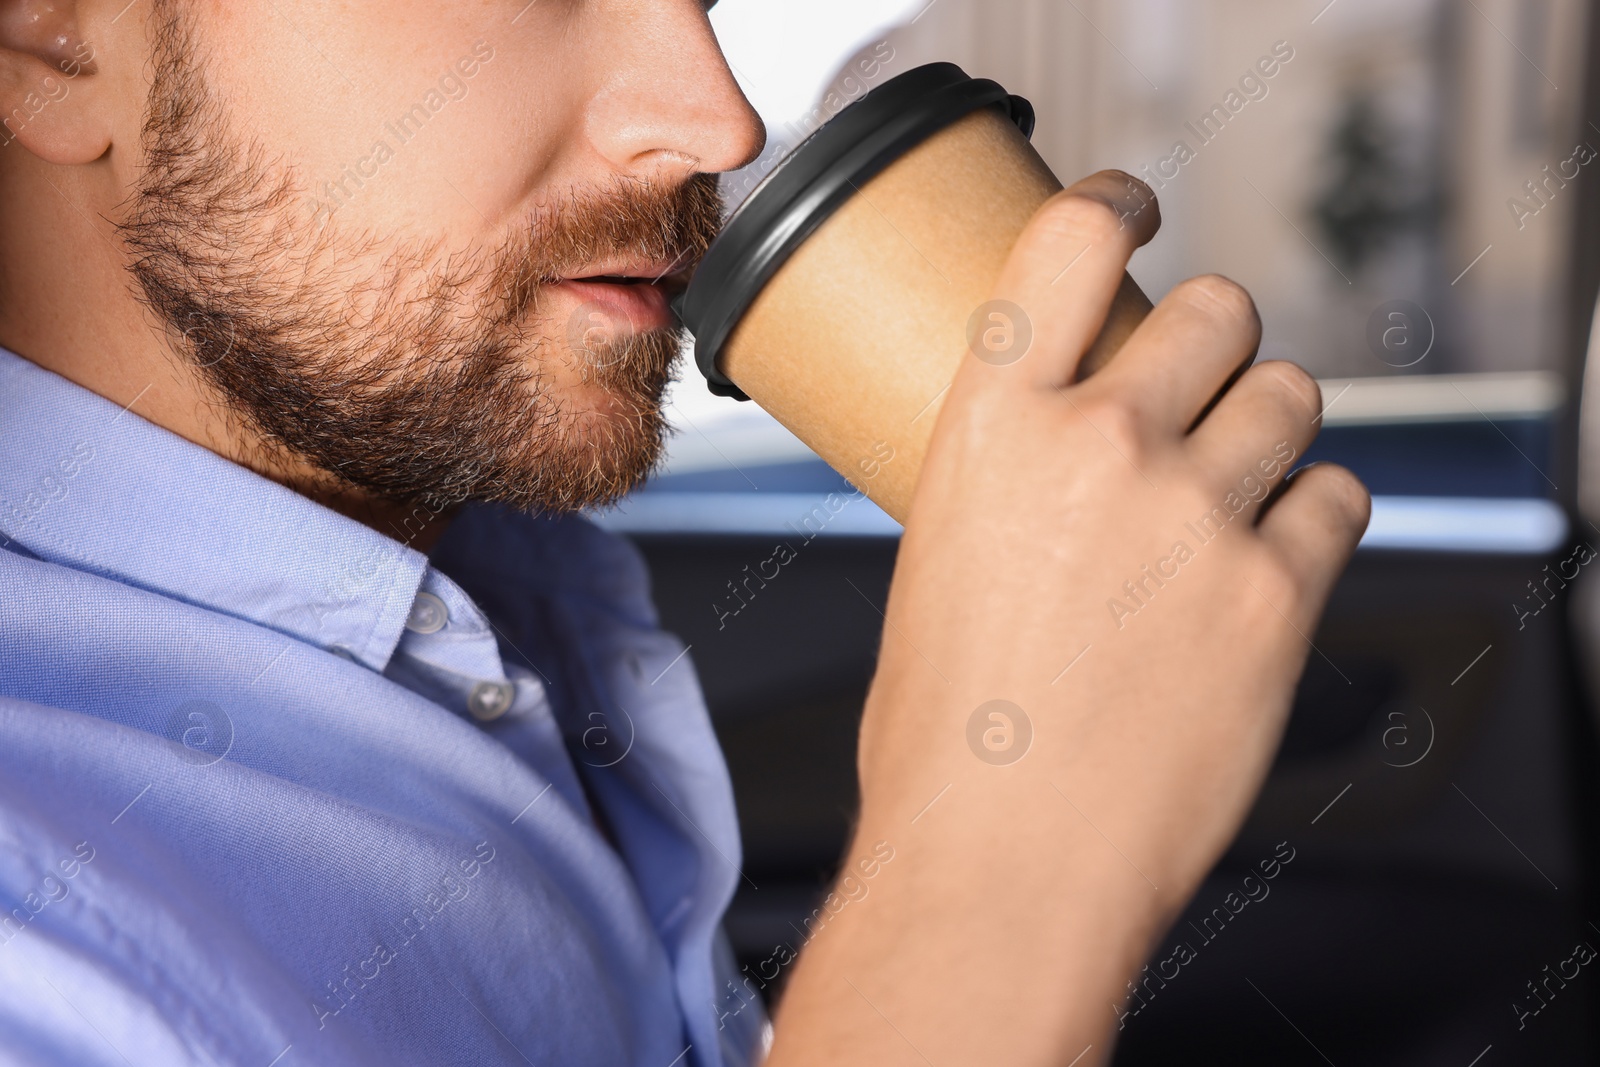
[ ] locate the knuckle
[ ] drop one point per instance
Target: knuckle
(1220, 298)
(1292, 381)
(1116, 421)
(1277, 586)
(1077, 217)
(1346, 492)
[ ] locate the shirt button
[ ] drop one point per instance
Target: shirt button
(428, 614)
(490, 700)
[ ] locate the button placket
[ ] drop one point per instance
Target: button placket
(490, 700)
(428, 614)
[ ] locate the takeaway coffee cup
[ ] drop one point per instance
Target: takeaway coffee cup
(843, 294)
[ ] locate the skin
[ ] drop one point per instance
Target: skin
(580, 96)
(1014, 910)
(1018, 907)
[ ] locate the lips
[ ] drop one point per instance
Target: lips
(634, 271)
(630, 296)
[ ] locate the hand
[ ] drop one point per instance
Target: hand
(1120, 525)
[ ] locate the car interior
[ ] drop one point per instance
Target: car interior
(1432, 821)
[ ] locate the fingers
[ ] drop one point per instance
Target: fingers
(1260, 427)
(1130, 308)
(1314, 527)
(1065, 269)
(1202, 333)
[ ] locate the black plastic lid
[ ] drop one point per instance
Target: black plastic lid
(810, 184)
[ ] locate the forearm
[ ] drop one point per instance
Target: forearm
(1022, 893)
(977, 942)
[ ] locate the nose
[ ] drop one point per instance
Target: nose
(666, 104)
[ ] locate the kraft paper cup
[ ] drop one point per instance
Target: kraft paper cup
(843, 294)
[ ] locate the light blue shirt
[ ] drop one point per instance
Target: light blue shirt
(277, 790)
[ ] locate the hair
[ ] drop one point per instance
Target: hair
(426, 378)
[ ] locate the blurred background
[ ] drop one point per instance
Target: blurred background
(1413, 198)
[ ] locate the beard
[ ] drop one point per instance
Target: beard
(402, 369)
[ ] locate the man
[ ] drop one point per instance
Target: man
(328, 736)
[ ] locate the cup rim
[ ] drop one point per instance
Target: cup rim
(809, 184)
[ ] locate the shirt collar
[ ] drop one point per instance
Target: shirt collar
(90, 486)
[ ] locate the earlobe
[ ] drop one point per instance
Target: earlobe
(44, 64)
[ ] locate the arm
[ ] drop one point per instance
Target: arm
(1051, 518)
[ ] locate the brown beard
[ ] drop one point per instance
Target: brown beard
(428, 379)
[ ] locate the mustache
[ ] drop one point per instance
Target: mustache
(631, 219)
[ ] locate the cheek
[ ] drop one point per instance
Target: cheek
(321, 86)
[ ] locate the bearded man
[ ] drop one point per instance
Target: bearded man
(303, 635)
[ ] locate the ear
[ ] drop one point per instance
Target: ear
(47, 102)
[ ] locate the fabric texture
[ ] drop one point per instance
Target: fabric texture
(276, 789)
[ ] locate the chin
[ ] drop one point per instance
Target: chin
(613, 426)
